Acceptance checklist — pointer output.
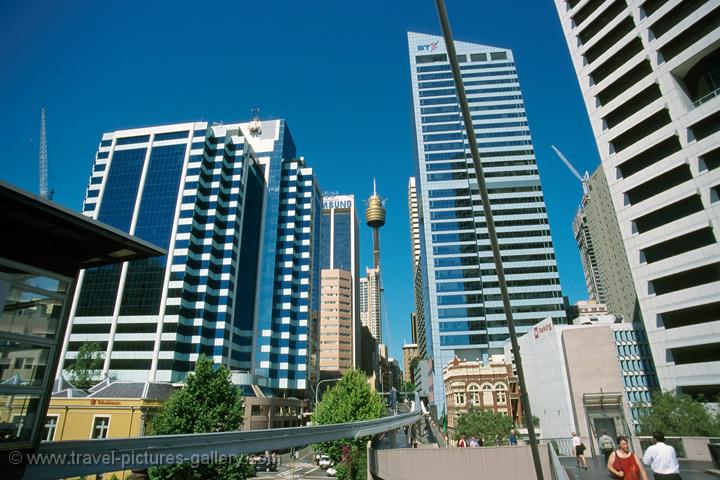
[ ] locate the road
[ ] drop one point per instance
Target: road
(297, 470)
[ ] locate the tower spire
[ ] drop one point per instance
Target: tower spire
(375, 218)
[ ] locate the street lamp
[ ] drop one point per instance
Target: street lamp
(317, 387)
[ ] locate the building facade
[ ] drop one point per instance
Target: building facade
(588, 258)
(371, 302)
(197, 191)
(464, 315)
(336, 323)
(235, 210)
(587, 378)
(648, 74)
(108, 410)
(410, 351)
(607, 271)
(418, 316)
(483, 386)
(287, 334)
(341, 251)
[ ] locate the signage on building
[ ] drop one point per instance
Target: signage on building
(94, 401)
(338, 201)
(542, 328)
(430, 47)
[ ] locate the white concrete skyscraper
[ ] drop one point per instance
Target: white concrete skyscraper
(464, 314)
(649, 72)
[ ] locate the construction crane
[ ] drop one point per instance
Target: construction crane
(584, 179)
(44, 192)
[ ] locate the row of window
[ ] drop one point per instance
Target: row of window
(484, 396)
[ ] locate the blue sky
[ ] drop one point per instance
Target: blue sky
(337, 71)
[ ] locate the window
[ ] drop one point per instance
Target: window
(500, 393)
(101, 425)
(460, 398)
(51, 422)
(474, 394)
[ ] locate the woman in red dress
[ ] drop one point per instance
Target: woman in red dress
(625, 464)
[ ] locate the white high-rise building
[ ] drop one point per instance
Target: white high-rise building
(649, 72)
(371, 302)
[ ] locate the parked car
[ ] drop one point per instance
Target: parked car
(325, 462)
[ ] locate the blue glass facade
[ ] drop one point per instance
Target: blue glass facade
(201, 198)
(286, 339)
(145, 278)
(637, 368)
(462, 308)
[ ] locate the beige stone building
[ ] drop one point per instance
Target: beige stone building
(336, 323)
(410, 351)
(490, 386)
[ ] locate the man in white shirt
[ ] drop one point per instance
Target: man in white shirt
(662, 459)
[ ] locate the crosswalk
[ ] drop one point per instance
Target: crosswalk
(298, 470)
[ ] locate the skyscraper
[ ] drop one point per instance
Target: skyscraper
(648, 72)
(371, 302)
(239, 216)
(198, 192)
(340, 251)
(464, 315)
(607, 272)
(286, 336)
(418, 317)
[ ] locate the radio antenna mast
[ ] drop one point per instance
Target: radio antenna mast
(44, 193)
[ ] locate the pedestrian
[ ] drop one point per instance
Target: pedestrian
(473, 442)
(662, 459)
(579, 448)
(462, 443)
(498, 440)
(606, 445)
(625, 464)
(513, 438)
(481, 442)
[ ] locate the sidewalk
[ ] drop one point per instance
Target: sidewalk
(598, 471)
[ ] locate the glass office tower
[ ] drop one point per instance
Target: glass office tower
(464, 313)
(198, 192)
(236, 211)
(286, 338)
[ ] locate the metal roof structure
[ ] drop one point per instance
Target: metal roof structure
(55, 238)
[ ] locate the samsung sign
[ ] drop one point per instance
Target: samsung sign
(340, 201)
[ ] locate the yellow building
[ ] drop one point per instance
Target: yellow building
(108, 410)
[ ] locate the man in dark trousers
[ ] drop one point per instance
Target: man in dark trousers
(662, 459)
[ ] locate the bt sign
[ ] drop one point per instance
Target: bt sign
(431, 47)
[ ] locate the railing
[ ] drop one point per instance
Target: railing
(560, 446)
(559, 472)
(706, 98)
(84, 457)
(689, 448)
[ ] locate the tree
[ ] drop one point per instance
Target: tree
(536, 421)
(413, 365)
(483, 424)
(349, 400)
(207, 403)
(86, 367)
(678, 415)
